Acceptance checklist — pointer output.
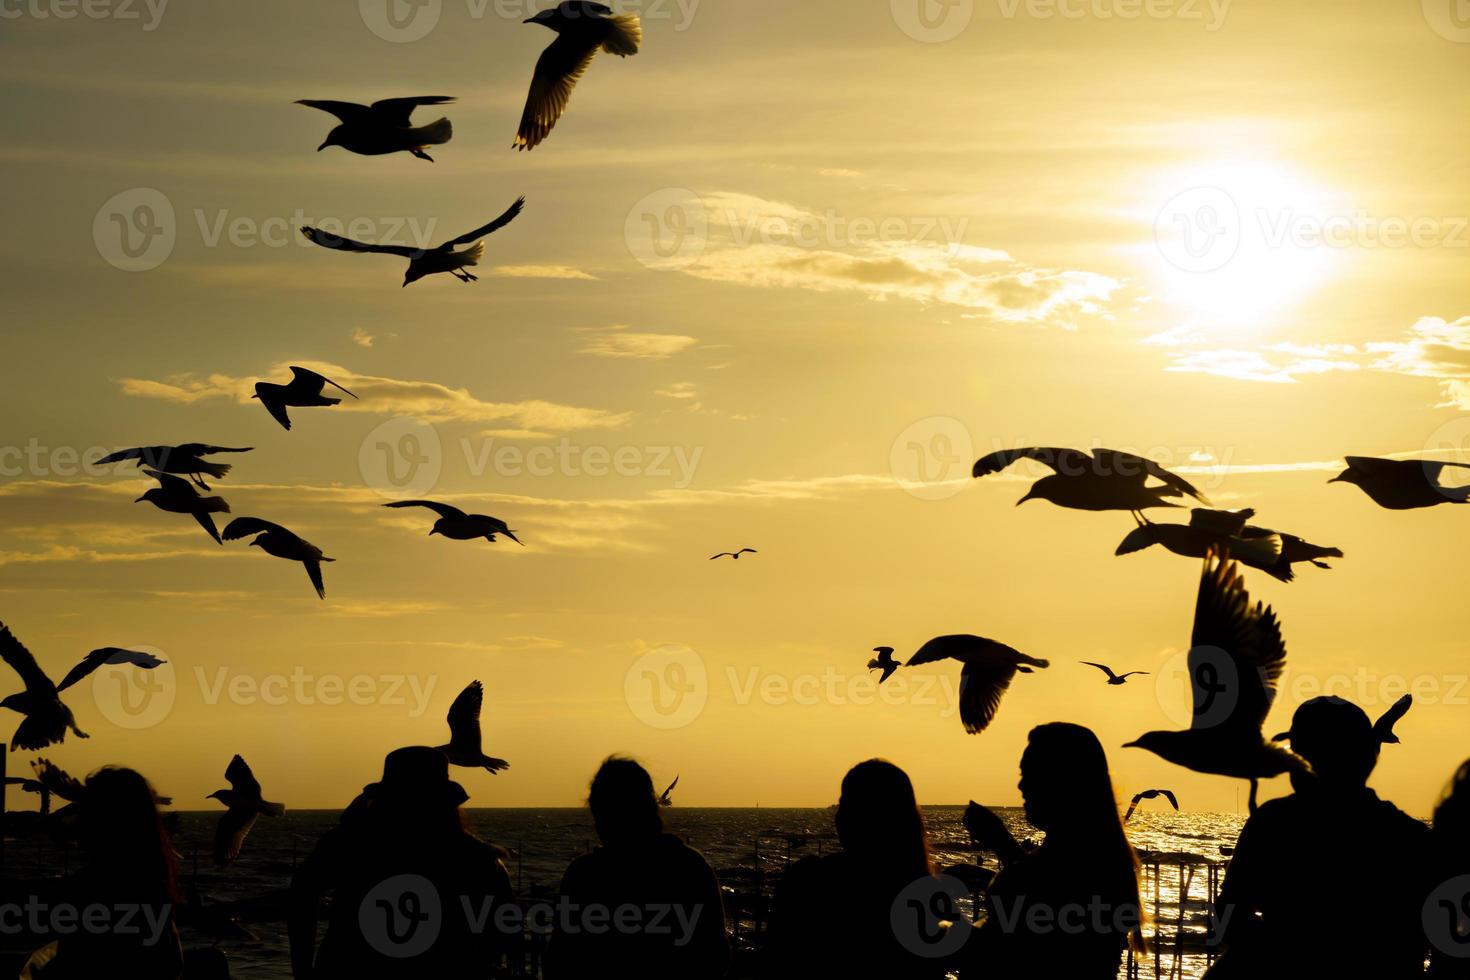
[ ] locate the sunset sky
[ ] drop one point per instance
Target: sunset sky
(780, 278)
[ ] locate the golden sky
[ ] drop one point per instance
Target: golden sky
(779, 279)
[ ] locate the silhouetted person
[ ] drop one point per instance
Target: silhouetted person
(1452, 860)
(130, 866)
(401, 861)
(642, 904)
(833, 915)
(1066, 909)
(1295, 902)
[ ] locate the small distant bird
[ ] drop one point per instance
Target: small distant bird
(1383, 727)
(989, 668)
(1272, 552)
(666, 798)
(1150, 794)
(734, 554)
(178, 496)
(1236, 657)
(1105, 479)
(245, 804)
(276, 540)
(303, 391)
(183, 459)
(581, 28)
(108, 655)
(1112, 677)
(384, 126)
(464, 746)
(1402, 484)
(456, 525)
(46, 719)
(426, 261)
(884, 662)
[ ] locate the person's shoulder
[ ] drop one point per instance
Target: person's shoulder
(1399, 821)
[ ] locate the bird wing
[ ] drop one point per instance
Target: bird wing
(1169, 795)
(1384, 725)
(204, 449)
(751, 550)
(23, 662)
(981, 687)
(563, 62)
(443, 510)
(345, 111)
(967, 647)
(1139, 538)
(278, 412)
(328, 240)
(137, 453)
(34, 733)
(57, 780)
(1115, 462)
(671, 786)
(242, 527)
(505, 218)
(314, 572)
(1230, 523)
(1434, 467)
(300, 376)
(229, 834)
(1237, 653)
(723, 554)
(1102, 667)
(205, 521)
(464, 718)
(1065, 461)
(397, 111)
(241, 779)
(89, 663)
(168, 481)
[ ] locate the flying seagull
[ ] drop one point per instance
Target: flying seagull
(1150, 794)
(46, 718)
(1272, 552)
(1235, 659)
(108, 655)
(384, 126)
(665, 798)
(303, 391)
(276, 540)
(184, 459)
(734, 554)
(1112, 677)
(245, 804)
(1402, 484)
(464, 747)
(456, 525)
(581, 28)
(425, 262)
(989, 668)
(1105, 479)
(884, 662)
(178, 496)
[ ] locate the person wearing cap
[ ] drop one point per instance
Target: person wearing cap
(1299, 898)
(415, 893)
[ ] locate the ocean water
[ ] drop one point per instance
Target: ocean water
(543, 841)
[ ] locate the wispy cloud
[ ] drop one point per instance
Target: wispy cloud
(541, 272)
(619, 341)
(362, 338)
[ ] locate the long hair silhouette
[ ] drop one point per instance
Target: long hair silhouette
(623, 803)
(879, 823)
(123, 833)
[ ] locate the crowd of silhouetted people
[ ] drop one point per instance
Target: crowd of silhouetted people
(1329, 881)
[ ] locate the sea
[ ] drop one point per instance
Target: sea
(1181, 854)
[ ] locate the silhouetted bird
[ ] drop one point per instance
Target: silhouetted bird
(1383, 727)
(1236, 657)
(989, 668)
(276, 540)
(884, 662)
(303, 391)
(666, 797)
(1105, 479)
(1150, 794)
(384, 126)
(1257, 547)
(581, 28)
(53, 781)
(1112, 677)
(108, 655)
(426, 261)
(456, 525)
(1402, 484)
(46, 718)
(184, 459)
(464, 746)
(734, 554)
(178, 496)
(245, 804)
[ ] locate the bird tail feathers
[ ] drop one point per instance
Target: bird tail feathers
(272, 809)
(473, 253)
(625, 35)
(438, 131)
(216, 470)
(214, 505)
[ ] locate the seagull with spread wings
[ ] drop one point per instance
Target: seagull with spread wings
(384, 126)
(1113, 679)
(1235, 659)
(108, 655)
(734, 554)
(456, 525)
(244, 801)
(185, 459)
(666, 798)
(426, 261)
(46, 718)
(177, 495)
(884, 662)
(1402, 484)
(1272, 552)
(1104, 479)
(281, 543)
(581, 29)
(1150, 794)
(303, 391)
(465, 746)
(989, 667)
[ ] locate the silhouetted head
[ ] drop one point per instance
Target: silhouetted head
(121, 829)
(255, 541)
(334, 138)
(223, 795)
(416, 776)
(1159, 743)
(623, 803)
(550, 17)
(438, 527)
(1337, 739)
(1042, 489)
(152, 493)
(1348, 475)
(1064, 777)
(878, 819)
(413, 275)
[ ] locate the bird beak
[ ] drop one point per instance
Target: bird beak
(433, 531)
(1130, 745)
(1336, 479)
(1024, 499)
(140, 500)
(323, 147)
(529, 20)
(254, 396)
